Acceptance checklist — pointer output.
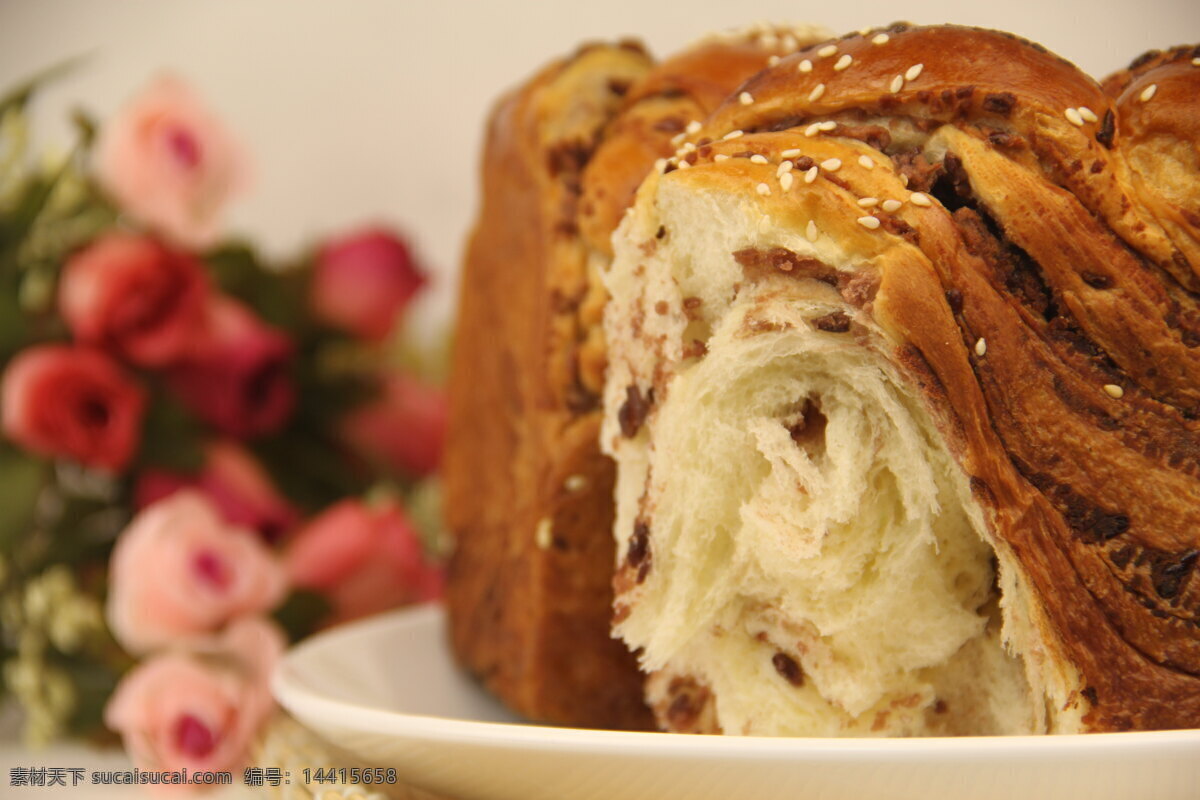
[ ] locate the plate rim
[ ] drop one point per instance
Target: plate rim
(306, 703)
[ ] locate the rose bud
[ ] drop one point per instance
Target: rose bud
(170, 164)
(362, 282)
(363, 560)
(236, 378)
(72, 402)
(235, 482)
(179, 572)
(131, 295)
(403, 429)
(199, 709)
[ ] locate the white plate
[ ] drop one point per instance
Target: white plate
(387, 691)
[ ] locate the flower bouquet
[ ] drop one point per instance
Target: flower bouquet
(202, 454)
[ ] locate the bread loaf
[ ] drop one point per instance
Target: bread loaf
(904, 392)
(528, 495)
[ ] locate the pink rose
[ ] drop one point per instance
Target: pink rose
(170, 164)
(403, 429)
(363, 560)
(131, 295)
(235, 482)
(199, 709)
(236, 378)
(362, 282)
(72, 402)
(179, 572)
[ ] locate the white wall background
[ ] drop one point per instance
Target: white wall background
(373, 110)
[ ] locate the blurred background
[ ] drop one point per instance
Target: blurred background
(374, 109)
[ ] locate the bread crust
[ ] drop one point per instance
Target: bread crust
(528, 494)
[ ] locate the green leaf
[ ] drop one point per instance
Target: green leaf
(21, 480)
(301, 612)
(19, 96)
(172, 439)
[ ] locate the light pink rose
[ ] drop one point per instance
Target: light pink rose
(198, 709)
(403, 429)
(132, 296)
(72, 402)
(170, 164)
(237, 376)
(235, 482)
(179, 572)
(363, 281)
(362, 559)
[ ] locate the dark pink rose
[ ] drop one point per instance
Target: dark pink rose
(170, 164)
(236, 378)
(132, 296)
(235, 482)
(179, 572)
(362, 559)
(363, 282)
(72, 402)
(403, 429)
(198, 708)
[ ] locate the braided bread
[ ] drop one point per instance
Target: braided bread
(528, 495)
(904, 391)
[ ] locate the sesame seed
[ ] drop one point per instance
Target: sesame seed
(811, 233)
(1196, 62)
(684, 165)
(811, 175)
(827, 125)
(745, 98)
(1148, 92)
(542, 535)
(813, 129)
(660, 164)
(687, 148)
(891, 205)
(791, 152)
(914, 72)
(980, 346)
(763, 189)
(789, 42)
(871, 223)
(897, 84)
(864, 31)
(758, 159)
(1073, 116)
(806, 66)
(721, 157)
(772, 61)
(785, 180)
(831, 164)
(574, 483)
(732, 135)
(816, 93)
(843, 62)
(693, 127)
(827, 50)
(881, 38)
(1088, 114)
(785, 166)
(865, 162)
(1114, 391)
(868, 202)
(677, 139)
(920, 199)
(904, 181)
(768, 40)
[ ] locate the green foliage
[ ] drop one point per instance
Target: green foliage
(21, 479)
(301, 612)
(172, 439)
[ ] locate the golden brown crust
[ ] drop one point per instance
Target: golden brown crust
(1077, 416)
(528, 589)
(523, 464)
